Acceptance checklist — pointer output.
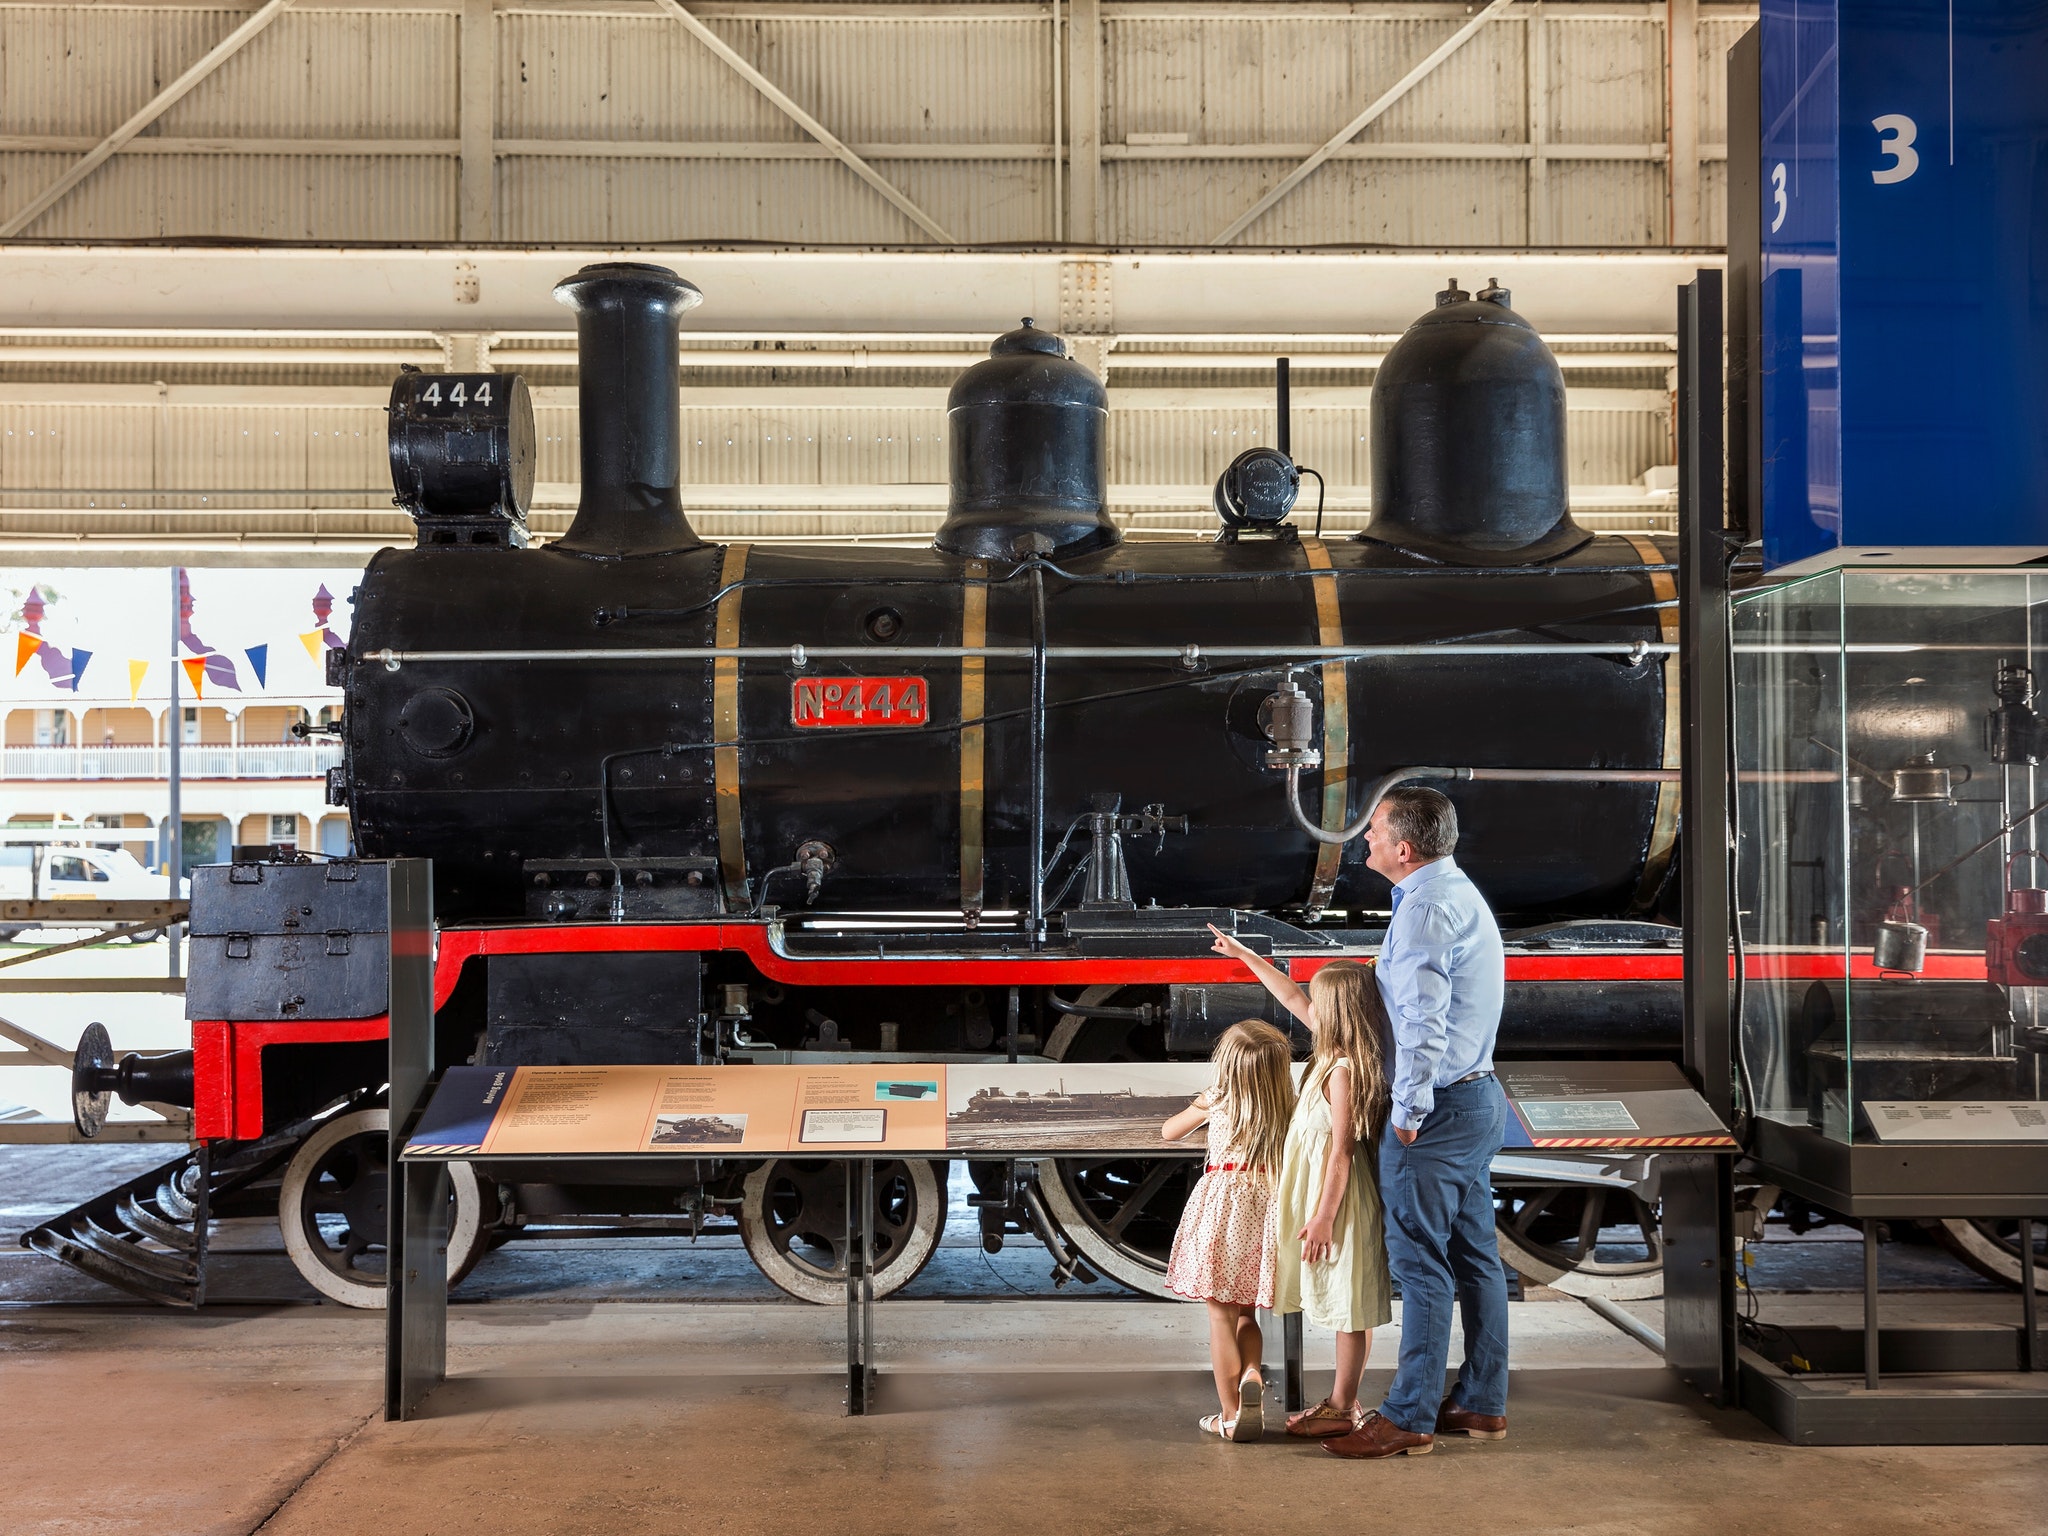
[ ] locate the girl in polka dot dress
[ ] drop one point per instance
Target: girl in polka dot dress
(1223, 1253)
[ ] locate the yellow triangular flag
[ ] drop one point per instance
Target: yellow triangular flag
(25, 648)
(314, 640)
(196, 670)
(137, 671)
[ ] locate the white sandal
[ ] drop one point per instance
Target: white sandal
(1215, 1424)
(1250, 1422)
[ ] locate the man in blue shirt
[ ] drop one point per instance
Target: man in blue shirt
(1442, 973)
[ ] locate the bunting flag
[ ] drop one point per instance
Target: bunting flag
(137, 671)
(26, 646)
(196, 670)
(78, 660)
(259, 663)
(314, 640)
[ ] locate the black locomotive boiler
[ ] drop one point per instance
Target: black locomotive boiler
(689, 801)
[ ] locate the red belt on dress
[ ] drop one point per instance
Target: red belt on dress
(1231, 1168)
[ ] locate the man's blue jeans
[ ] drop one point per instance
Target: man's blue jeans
(1441, 1249)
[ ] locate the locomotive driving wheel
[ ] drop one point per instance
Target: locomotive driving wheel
(1119, 1212)
(793, 1222)
(331, 1209)
(1992, 1247)
(1550, 1234)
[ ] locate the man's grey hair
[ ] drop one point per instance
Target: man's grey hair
(1424, 819)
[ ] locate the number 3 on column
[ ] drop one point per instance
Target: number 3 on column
(1895, 135)
(1778, 205)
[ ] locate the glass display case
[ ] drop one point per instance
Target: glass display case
(1891, 857)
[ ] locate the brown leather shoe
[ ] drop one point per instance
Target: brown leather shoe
(1453, 1420)
(1378, 1436)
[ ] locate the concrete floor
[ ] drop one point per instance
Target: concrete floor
(1025, 1416)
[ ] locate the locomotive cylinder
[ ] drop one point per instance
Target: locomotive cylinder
(1027, 429)
(1468, 438)
(627, 400)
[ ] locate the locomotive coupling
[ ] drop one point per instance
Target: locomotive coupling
(1288, 717)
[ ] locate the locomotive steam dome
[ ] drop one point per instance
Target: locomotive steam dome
(1468, 439)
(1027, 429)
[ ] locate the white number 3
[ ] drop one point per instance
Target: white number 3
(1896, 132)
(1778, 196)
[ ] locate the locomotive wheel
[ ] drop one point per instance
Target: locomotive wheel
(1992, 1247)
(330, 1209)
(1549, 1235)
(793, 1222)
(1119, 1213)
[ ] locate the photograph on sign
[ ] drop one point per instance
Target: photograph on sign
(1101, 1106)
(698, 1130)
(893, 1090)
(1576, 1117)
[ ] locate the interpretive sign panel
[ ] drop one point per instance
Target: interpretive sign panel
(742, 1111)
(996, 1108)
(1585, 1104)
(1911, 1120)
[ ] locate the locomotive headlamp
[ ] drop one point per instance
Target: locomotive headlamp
(462, 455)
(1288, 717)
(1258, 490)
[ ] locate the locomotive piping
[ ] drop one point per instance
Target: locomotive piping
(1377, 790)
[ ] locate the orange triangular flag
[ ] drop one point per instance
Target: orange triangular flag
(314, 640)
(196, 670)
(25, 648)
(137, 671)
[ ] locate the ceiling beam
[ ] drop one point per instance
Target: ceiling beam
(1365, 119)
(796, 114)
(1252, 294)
(156, 106)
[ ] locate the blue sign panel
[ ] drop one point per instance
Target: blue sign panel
(1904, 181)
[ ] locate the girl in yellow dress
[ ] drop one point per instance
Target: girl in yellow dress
(1331, 1258)
(1223, 1251)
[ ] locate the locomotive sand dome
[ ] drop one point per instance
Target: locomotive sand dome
(698, 802)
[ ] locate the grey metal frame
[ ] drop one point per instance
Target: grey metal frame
(1699, 1189)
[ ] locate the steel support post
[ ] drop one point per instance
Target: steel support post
(416, 1245)
(1699, 1216)
(1870, 1334)
(1296, 1397)
(860, 1286)
(2030, 1304)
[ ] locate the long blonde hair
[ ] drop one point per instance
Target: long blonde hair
(1254, 1092)
(1350, 1026)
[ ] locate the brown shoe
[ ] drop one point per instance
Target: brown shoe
(1453, 1420)
(1321, 1422)
(1378, 1436)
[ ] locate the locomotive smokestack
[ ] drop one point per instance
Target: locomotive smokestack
(631, 415)
(1026, 429)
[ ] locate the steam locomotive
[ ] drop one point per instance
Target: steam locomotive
(689, 802)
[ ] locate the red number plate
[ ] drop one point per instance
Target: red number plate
(826, 702)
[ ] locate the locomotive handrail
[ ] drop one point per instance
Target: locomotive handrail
(798, 655)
